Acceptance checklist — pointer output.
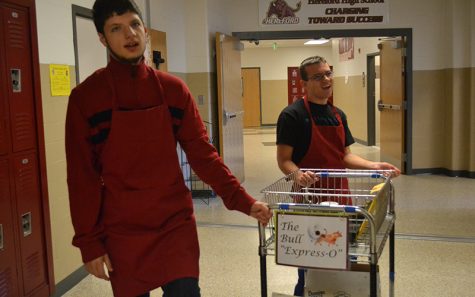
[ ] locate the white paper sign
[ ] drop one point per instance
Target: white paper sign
(315, 13)
(312, 241)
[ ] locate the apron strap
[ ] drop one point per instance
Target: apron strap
(110, 82)
(335, 112)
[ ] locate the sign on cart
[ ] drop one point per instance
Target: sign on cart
(313, 241)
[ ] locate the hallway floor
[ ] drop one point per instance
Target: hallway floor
(435, 236)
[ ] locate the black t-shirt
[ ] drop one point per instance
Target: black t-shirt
(294, 127)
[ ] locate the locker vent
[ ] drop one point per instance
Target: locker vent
(23, 128)
(26, 181)
(4, 180)
(33, 269)
(15, 34)
(5, 282)
(3, 137)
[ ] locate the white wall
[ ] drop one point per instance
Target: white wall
(143, 9)
(217, 22)
(196, 34)
(356, 66)
(460, 32)
(55, 30)
(274, 63)
(428, 18)
(91, 53)
(170, 17)
(433, 34)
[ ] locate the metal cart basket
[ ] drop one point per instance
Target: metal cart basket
(363, 202)
(199, 189)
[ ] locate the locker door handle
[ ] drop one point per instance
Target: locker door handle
(26, 223)
(1, 237)
(16, 80)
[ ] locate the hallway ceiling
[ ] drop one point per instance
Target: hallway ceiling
(280, 43)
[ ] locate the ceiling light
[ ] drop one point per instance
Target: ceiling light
(317, 41)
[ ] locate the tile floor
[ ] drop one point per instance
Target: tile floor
(435, 236)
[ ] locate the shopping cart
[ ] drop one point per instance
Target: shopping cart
(199, 189)
(356, 206)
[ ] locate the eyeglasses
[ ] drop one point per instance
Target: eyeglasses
(321, 76)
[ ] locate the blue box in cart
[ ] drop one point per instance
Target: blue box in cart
(339, 283)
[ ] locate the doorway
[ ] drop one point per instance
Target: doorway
(404, 33)
(90, 54)
(373, 95)
(251, 96)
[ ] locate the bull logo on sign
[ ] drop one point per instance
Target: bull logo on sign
(281, 9)
(279, 12)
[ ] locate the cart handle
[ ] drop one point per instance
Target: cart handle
(299, 206)
(368, 173)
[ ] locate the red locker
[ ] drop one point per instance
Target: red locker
(29, 216)
(25, 253)
(4, 120)
(8, 269)
(4, 138)
(16, 27)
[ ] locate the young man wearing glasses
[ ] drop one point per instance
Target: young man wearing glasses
(312, 133)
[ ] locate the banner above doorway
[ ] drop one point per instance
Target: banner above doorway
(284, 14)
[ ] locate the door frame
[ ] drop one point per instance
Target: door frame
(229, 81)
(406, 33)
(78, 11)
(371, 106)
(260, 92)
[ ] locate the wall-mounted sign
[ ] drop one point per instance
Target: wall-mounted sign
(346, 48)
(314, 13)
(312, 241)
(294, 88)
(60, 80)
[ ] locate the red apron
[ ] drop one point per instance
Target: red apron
(150, 229)
(326, 151)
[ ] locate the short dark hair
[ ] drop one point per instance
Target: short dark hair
(307, 62)
(104, 9)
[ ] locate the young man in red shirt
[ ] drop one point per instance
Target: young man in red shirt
(130, 207)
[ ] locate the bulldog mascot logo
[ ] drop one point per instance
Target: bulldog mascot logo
(279, 12)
